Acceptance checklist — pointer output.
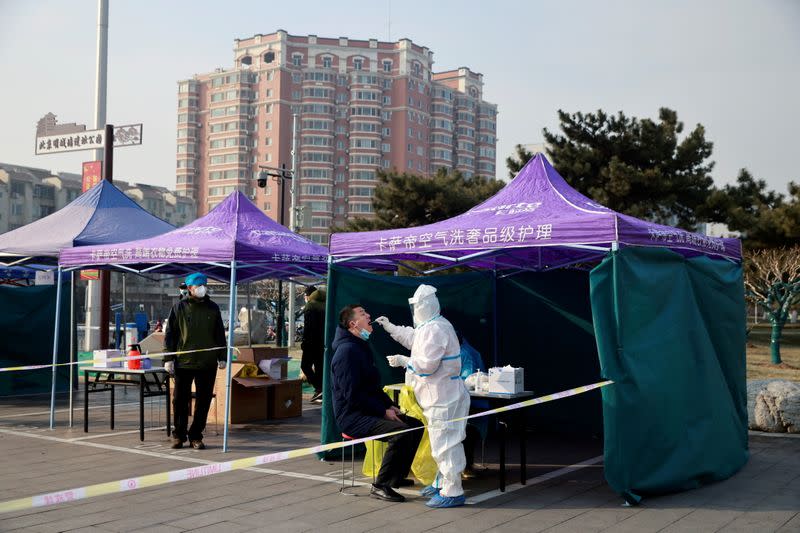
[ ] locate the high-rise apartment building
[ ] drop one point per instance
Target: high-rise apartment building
(361, 105)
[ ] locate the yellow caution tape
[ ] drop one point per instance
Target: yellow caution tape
(112, 359)
(151, 480)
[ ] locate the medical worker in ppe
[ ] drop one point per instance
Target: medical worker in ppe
(433, 369)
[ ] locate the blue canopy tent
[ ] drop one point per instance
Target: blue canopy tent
(101, 215)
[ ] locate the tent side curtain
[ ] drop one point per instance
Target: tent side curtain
(671, 334)
(26, 327)
(466, 301)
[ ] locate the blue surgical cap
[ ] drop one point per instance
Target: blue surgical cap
(196, 279)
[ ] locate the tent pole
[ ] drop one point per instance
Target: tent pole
(249, 320)
(55, 349)
(494, 312)
(72, 339)
(231, 305)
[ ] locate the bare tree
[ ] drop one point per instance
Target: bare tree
(772, 281)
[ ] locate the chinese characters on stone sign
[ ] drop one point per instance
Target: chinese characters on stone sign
(466, 237)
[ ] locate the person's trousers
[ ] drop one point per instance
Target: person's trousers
(400, 450)
(311, 365)
(204, 389)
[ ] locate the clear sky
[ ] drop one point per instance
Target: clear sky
(731, 65)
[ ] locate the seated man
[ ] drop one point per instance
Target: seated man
(361, 407)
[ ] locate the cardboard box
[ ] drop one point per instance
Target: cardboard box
(506, 380)
(101, 358)
(254, 354)
(255, 399)
(153, 343)
(248, 395)
(285, 399)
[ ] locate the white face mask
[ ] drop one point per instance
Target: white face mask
(200, 291)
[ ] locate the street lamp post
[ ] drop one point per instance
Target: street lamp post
(281, 175)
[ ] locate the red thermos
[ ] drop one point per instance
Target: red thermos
(134, 364)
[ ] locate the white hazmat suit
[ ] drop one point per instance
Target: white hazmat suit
(434, 372)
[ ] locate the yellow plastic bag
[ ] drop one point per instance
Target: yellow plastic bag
(424, 467)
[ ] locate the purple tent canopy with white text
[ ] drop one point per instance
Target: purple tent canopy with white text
(535, 222)
(234, 231)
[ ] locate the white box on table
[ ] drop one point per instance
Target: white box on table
(101, 358)
(506, 380)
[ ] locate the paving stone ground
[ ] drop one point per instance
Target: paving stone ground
(302, 494)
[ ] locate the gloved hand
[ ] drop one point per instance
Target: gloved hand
(397, 361)
(169, 366)
(384, 322)
(221, 365)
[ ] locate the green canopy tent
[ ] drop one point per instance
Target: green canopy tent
(577, 293)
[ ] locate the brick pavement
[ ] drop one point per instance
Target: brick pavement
(302, 495)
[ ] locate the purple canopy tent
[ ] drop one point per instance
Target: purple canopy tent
(658, 318)
(101, 215)
(536, 222)
(234, 242)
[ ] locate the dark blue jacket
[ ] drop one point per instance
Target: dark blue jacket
(358, 398)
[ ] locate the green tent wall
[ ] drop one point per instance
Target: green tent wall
(26, 338)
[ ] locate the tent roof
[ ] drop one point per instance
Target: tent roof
(536, 221)
(101, 215)
(235, 230)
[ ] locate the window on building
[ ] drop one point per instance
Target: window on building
(358, 64)
(269, 57)
(387, 65)
(297, 60)
(268, 125)
(327, 62)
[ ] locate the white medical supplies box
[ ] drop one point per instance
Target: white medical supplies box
(101, 358)
(506, 380)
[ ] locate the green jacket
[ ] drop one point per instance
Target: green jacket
(194, 325)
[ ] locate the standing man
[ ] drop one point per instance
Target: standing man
(194, 325)
(434, 369)
(361, 407)
(313, 344)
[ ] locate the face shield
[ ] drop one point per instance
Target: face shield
(424, 305)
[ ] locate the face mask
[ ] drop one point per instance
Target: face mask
(200, 291)
(364, 334)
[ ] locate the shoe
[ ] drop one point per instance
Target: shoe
(177, 443)
(198, 445)
(316, 396)
(403, 483)
(318, 400)
(429, 491)
(445, 502)
(385, 493)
